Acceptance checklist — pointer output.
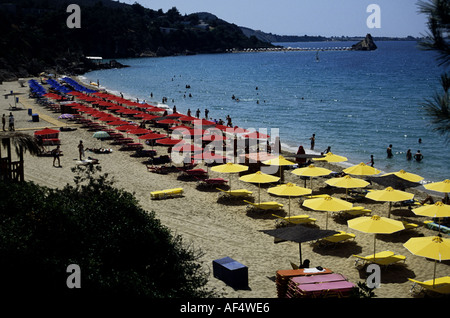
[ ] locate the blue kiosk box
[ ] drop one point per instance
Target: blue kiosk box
(231, 272)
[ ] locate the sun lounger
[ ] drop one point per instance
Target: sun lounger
(339, 237)
(194, 172)
(211, 181)
(357, 211)
(168, 193)
(237, 193)
(269, 205)
(435, 226)
(160, 169)
(297, 219)
(384, 258)
(439, 285)
(409, 226)
(320, 286)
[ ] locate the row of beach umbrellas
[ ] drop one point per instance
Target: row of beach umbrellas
(434, 247)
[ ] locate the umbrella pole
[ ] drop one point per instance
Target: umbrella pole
(389, 213)
(289, 206)
(300, 252)
(439, 229)
(259, 192)
(434, 274)
(374, 242)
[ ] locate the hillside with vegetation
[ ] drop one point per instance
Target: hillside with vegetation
(35, 35)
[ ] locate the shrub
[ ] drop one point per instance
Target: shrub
(121, 249)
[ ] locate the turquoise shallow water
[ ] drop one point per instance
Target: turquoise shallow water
(356, 102)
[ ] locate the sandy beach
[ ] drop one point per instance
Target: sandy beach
(222, 229)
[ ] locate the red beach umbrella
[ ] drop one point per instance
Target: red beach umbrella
(255, 135)
(108, 118)
(168, 121)
(209, 156)
(187, 147)
(139, 131)
(117, 123)
(170, 141)
(188, 118)
(175, 115)
(126, 127)
(145, 116)
(152, 136)
(47, 132)
(222, 127)
(178, 129)
(193, 132)
(213, 138)
(115, 107)
(128, 111)
(74, 104)
(204, 122)
(154, 109)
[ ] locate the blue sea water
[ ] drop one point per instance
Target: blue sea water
(356, 102)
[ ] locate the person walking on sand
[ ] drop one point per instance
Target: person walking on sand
(56, 154)
(389, 151)
(11, 122)
(313, 141)
(4, 122)
(372, 162)
(81, 149)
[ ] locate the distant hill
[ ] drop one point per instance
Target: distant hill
(35, 35)
(273, 38)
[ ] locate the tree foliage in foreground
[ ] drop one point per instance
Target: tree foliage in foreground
(438, 107)
(121, 249)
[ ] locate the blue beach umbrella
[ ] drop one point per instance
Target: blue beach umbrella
(100, 135)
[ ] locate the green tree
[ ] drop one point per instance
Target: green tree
(438, 108)
(122, 250)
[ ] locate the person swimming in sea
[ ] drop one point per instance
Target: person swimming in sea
(418, 156)
(408, 155)
(389, 151)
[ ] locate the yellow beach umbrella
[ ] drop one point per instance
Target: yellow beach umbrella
(229, 167)
(328, 204)
(389, 195)
(437, 210)
(331, 157)
(433, 247)
(362, 170)
(279, 161)
(442, 186)
(289, 190)
(347, 182)
(311, 171)
(376, 225)
(405, 175)
(259, 177)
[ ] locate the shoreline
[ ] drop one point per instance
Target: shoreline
(286, 149)
(223, 229)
